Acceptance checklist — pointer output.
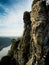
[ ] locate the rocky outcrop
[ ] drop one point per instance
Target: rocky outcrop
(21, 52)
(24, 45)
(39, 31)
(34, 44)
(14, 45)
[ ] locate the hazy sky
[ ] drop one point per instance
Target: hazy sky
(11, 16)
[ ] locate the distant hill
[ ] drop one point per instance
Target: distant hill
(5, 41)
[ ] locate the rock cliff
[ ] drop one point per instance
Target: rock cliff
(40, 23)
(33, 47)
(24, 45)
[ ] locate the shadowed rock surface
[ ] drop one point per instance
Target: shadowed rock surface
(7, 60)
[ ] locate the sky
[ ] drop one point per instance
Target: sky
(11, 16)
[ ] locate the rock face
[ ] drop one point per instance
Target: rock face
(40, 30)
(34, 45)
